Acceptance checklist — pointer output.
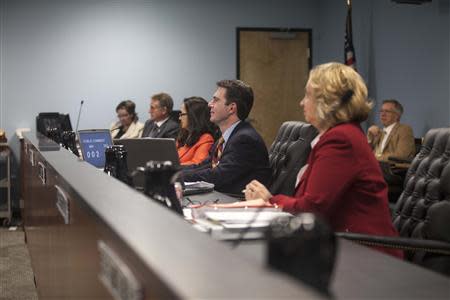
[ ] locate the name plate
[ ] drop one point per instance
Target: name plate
(116, 276)
(31, 156)
(63, 204)
(42, 172)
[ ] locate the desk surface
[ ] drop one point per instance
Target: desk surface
(196, 266)
(191, 263)
(361, 272)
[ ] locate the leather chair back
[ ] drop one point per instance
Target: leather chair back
(423, 209)
(288, 153)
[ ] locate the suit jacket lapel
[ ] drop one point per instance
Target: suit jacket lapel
(130, 130)
(393, 132)
(236, 129)
(148, 129)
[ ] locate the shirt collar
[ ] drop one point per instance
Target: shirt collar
(159, 123)
(316, 140)
(388, 129)
(228, 132)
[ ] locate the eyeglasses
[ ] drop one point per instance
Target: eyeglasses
(386, 111)
(199, 203)
(123, 115)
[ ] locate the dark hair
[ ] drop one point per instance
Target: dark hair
(397, 106)
(240, 93)
(198, 121)
(130, 107)
(164, 101)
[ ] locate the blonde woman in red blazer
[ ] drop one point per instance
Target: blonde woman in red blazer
(342, 180)
(195, 138)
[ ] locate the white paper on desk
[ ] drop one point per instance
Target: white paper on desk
(253, 225)
(199, 184)
(243, 217)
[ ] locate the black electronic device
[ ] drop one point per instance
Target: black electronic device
(160, 178)
(116, 163)
(68, 141)
(303, 247)
(53, 124)
(140, 151)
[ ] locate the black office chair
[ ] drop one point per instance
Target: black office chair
(175, 115)
(394, 172)
(422, 213)
(288, 153)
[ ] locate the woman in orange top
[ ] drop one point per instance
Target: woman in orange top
(196, 134)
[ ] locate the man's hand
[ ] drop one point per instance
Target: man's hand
(374, 130)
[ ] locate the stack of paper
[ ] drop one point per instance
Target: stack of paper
(229, 223)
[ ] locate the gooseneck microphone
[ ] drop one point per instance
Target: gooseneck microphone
(79, 113)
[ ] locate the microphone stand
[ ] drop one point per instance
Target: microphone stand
(79, 113)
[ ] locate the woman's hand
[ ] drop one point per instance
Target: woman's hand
(256, 190)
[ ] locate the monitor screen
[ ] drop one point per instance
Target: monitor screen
(45, 122)
(93, 144)
(66, 125)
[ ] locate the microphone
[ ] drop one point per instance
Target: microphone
(303, 247)
(79, 113)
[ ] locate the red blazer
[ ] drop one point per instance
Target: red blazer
(198, 152)
(343, 183)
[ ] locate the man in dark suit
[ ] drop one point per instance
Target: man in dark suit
(240, 155)
(160, 125)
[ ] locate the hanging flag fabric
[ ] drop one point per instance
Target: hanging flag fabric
(350, 59)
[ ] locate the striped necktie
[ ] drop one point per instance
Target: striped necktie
(218, 152)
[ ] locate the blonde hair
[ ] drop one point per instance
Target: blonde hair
(340, 94)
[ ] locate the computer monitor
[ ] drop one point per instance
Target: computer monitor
(140, 151)
(49, 122)
(93, 143)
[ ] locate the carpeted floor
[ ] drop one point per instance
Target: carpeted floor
(16, 275)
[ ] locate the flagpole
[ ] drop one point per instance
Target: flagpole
(349, 51)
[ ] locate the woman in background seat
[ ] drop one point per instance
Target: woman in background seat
(342, 180)
(196, 134)
(128, 125)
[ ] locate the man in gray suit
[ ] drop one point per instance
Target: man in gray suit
(395, 139)
(160, 125)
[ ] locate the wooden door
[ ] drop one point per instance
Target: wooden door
(276, 64)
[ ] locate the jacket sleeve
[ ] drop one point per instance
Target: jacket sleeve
(332, 170)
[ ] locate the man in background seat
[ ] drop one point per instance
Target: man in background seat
(395, 139)
(240, 155)
(160, 125)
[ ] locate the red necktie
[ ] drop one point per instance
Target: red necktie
(218, 152)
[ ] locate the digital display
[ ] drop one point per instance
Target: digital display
(93, 145)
